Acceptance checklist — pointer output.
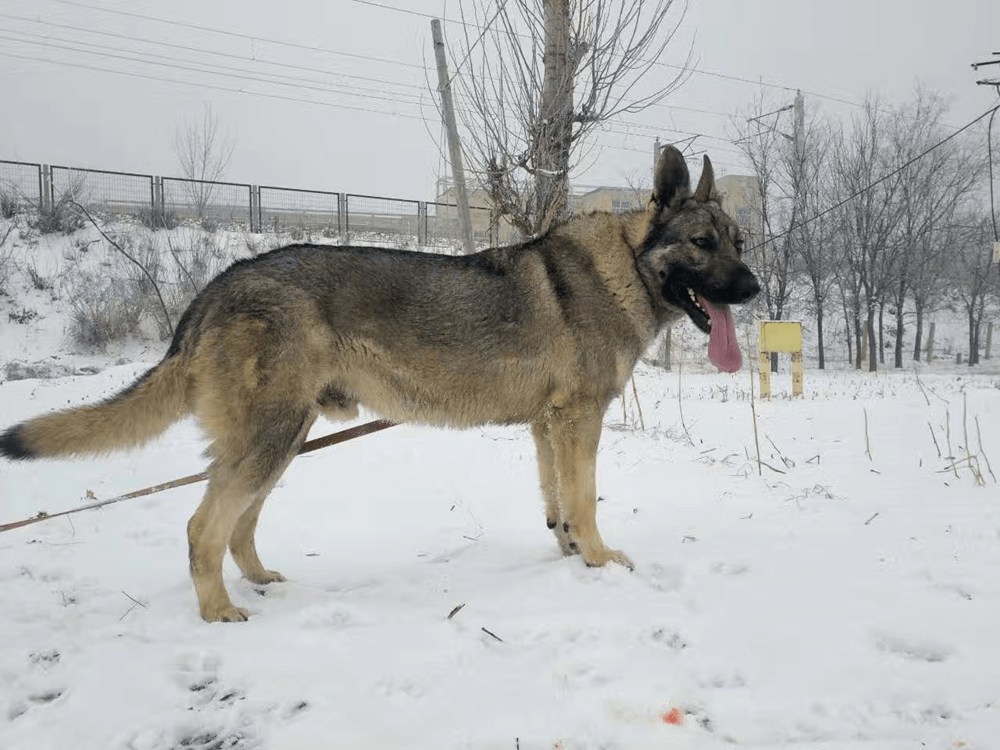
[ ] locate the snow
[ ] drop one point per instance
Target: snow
(827, 601)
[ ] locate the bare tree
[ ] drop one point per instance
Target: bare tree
(778, 161)
(932, 190)
(548, 73)
(867, 220)
(203, 154)
(973, 278)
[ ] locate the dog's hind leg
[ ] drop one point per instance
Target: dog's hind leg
(575, 432)
(239, 480)
(550, 486)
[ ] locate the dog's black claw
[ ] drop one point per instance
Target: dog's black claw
(566, 526)
(550, 524)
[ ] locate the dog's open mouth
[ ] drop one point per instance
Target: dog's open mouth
(714, 319)
(693, 304)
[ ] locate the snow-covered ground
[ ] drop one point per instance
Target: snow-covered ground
(844, 596)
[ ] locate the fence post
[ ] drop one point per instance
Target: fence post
(421, 223)
(343, 216)
(254, 208)
(46, 187)
(158, 207)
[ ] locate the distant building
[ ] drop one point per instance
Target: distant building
(741, 200)
(617, 200)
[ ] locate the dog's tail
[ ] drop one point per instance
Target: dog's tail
(128, 419)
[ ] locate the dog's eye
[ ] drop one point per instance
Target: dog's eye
(740, 244)
(705, 243)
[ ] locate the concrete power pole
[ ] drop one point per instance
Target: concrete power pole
(657, 148)
(454, 146)
(800, 127)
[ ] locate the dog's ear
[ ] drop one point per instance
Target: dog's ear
(706, 185)
(672, 178)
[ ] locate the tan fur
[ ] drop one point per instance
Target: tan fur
(545, 333)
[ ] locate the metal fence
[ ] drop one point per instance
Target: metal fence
(169, 201)
(282, 209)
(218, 204)
(20, 184)
(102, 192)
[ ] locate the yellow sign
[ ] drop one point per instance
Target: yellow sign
(780, 336)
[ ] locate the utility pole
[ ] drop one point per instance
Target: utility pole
(454, 146)
(995, 83)
(656, 157)
(988, 81)
(800, 127)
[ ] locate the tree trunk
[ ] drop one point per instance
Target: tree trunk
(898, 359)
(847, 326)
(552, 145)
(881, 333)
(819, 336)
(920, 332)
(872, 341)
(972, 338)
(860, 356)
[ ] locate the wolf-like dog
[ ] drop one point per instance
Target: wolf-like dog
(544, 333)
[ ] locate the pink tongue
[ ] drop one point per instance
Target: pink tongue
(723, 350)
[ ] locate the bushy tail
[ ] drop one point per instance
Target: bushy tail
(128, 419)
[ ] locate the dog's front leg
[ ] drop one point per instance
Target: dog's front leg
(575, 434)
(549, 480)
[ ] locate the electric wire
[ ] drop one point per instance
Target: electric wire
(880, 180)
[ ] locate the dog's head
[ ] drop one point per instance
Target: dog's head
(692, 255)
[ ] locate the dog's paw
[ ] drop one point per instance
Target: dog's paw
(600, 557)
(566, 543)
(266, 576)
(229, 613)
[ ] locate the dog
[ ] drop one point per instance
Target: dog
(544, 333)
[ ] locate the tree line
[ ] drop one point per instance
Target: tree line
(882, 220)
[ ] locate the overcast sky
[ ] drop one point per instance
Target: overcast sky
(107, 83)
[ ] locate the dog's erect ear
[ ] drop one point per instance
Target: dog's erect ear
(706, 185)
(672, 178)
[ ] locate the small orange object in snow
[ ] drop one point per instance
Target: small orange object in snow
(673, 716)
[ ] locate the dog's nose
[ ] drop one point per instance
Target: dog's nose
(746, 286)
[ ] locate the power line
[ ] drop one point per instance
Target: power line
(201, 50)
(238, 35)
(211, 86)
(880, 180)
(385, 6)
(209, 68)
(699, 71)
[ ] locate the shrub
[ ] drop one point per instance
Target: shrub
(38, 281)
(9, 205)
(104, 309)
(6, 257)
(60, 216)
(157, 218)
(24, 316)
